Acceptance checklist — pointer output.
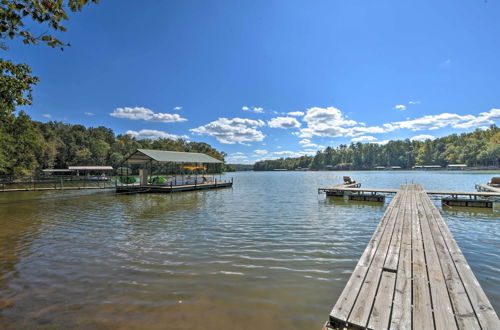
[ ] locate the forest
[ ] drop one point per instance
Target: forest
(480, 148)
(27, 145)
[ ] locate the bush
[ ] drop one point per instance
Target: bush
(156, 179)
(127, 179)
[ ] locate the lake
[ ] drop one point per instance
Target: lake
(268, 253)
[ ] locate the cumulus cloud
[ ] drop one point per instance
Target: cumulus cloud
(306, 143)
(331, 122)
(154, 135)
(400, 107)
(296, 113)
(381, 142)
(141, 113)
(365, 138)
(178, 108)
(484, 119)
(284, 122)
(422, 137)
(414, 102)
(253, 109)
(47, 115)
(261, 152)
(434, 122)
(88, 113)
(230, 131)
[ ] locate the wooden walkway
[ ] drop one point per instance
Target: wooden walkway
(485, 187)
(413, 275)
(343, 188)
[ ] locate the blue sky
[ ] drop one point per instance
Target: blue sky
(265, 79)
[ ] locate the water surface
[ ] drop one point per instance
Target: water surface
(268, 253)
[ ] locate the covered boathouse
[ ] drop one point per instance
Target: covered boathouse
(161, 171)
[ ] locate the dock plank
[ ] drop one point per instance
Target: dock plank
(422, 307)
(345, 302)
(441, 304)
(413, 275)
(361, 310)
(381, 311)
(462, 308)
(401, 312)
(485, 313)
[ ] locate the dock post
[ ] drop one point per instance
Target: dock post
(215, 182)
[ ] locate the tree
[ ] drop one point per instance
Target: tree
(16, 81)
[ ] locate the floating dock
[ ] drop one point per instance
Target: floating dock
(412, 275)
(483, 198)
(150, 188)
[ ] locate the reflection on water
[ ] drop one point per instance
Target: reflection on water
(268, 253)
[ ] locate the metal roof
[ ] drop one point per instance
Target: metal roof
(56, 170)
(90, 168)
(144, 155)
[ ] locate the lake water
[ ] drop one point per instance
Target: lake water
(268, 253)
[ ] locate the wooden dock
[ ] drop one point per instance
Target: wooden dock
(487, 187)
(352, 190)
(138, 189)
(413, 275)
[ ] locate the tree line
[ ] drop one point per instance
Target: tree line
(480, 148)
(27, 145)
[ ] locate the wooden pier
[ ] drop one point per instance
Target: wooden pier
(481, 198)
(413, 275)
(150, 188)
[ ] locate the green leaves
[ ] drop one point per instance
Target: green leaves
(16, 84)
(50, 12)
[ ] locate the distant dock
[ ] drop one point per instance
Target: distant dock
(482, 198)
(151, 188)
(412, 275)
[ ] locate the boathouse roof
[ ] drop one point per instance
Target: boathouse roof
(144, 155)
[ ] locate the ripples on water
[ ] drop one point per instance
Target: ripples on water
(269, 252)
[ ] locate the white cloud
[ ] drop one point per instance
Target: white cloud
(261, 152)
(141, 113)
(381, 142)
(296, 113)
(400, 107)
(284, 122)
(430, 122)
(47, 115)
(253, 109)
(422, 137)
(332, 122)
(484, 119)
(88, 113)
(364, 138)
(230, 131)
(414, 102)
(178, 108)
(306, 143)
(154, 135)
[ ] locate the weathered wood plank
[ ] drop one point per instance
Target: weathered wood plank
(413, 275)
(391, 261)
(441, 304)
(401, 311)
(344, 304)
(485, 313)
(362, 307)
(381, 311)
(422, 308)
(464, 313)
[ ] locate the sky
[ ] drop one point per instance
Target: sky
(268, 79)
